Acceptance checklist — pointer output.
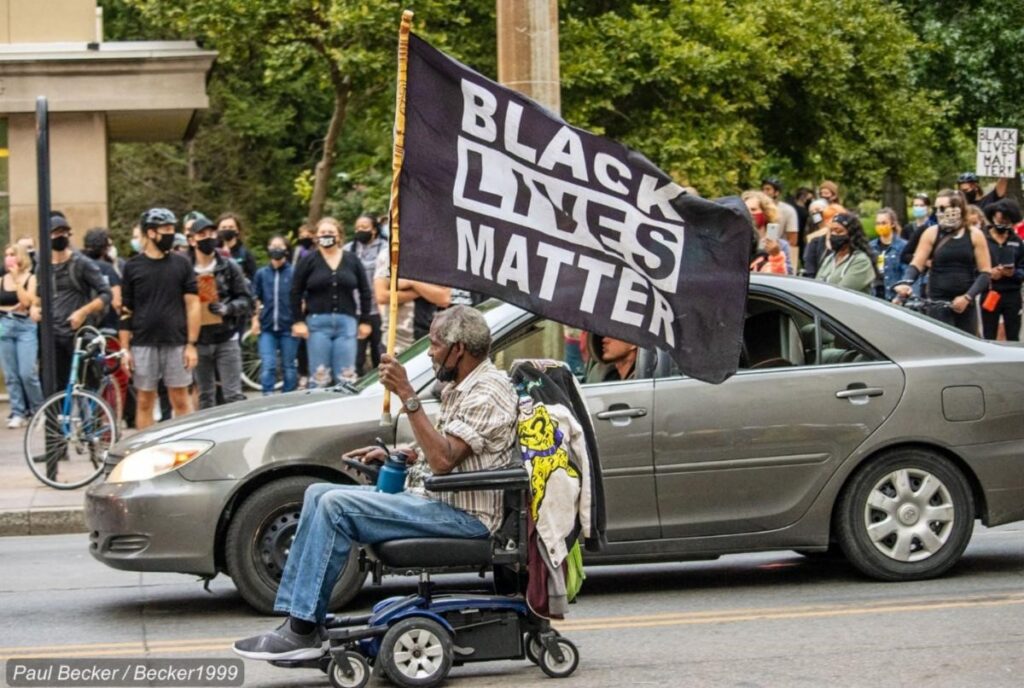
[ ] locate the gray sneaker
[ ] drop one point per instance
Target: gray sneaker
(281, 643)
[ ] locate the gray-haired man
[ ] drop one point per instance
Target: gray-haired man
(475, 431)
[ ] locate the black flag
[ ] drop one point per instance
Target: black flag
(500, 196)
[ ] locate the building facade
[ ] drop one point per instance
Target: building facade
(98, 93)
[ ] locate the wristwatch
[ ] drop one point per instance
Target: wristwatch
(412, 404)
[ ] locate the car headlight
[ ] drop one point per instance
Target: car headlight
(161, 458)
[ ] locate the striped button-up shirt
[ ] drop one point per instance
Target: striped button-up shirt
(482, 412)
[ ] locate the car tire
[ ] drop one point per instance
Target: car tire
(907, 515)
(258, 538)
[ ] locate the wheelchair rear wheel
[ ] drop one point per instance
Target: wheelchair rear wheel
(348, 670)
(416, 653)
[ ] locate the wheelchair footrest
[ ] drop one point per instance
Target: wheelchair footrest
(340, 636)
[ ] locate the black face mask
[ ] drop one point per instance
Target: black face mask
(838, 242)
(306, 242)
(164, 242)
(207, 245)
(446, 374)
(364, 237)
(227, 235)
(1002, 229)
(60, 243)
(277, 253)
(327, 241)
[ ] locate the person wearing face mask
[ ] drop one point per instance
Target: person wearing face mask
(325, 286)
(19, 336)
(80, 295)
(97, 246)
(970, 187)
(960, 264)
(159, 318)
(225, 302)
(229, 234)
(829, 191)
(271, 288)
(849, 263)
(475, 430)
(138, 241)
(367, 245)
(305, 242)
(888, 249)
(772, 253)
(921, 218)
(1007, 252)
(813, 249)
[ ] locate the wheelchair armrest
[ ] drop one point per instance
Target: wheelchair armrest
(502, 479)
(370, 470)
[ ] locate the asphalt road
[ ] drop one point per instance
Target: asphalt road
(774, 619)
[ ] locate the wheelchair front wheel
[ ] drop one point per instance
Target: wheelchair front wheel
(348, 670)
(560, 669)
(416, 653)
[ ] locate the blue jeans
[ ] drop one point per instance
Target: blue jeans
(331, 346)
(335, 516)
(270, 344)
(19, 348)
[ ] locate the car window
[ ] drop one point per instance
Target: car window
(552, 340)
(838, 348)
(779, 335)
(776, 335)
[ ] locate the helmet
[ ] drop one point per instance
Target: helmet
(967, 178)
(157, 217)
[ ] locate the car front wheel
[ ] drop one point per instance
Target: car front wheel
(906, 516)
(260, 537)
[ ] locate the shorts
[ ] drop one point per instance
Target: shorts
(166, 362)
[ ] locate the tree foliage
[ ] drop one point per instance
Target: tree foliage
(716, 93)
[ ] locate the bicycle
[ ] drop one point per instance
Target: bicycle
(68, 438)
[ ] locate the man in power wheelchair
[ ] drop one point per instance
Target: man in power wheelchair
(467, 483)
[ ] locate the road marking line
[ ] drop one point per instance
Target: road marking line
(185, 646)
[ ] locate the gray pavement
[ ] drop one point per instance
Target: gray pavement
(27, 507)
(758, 620)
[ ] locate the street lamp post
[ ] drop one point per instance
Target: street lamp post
(528, 49)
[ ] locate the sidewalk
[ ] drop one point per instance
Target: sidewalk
(27, 507)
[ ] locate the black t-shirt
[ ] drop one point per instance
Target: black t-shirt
(110, 318)
(153, 292)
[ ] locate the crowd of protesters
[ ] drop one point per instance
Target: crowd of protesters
(181, 304)
(960, 256)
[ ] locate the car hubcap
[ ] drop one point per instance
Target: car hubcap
(275, 541)
(909, 515)
(418, 653)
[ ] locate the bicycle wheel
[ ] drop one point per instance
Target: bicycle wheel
(68, 438)
(252, 364)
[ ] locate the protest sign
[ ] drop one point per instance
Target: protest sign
(500, 196)
(997, 152)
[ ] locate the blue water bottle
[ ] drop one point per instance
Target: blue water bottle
(391, 478)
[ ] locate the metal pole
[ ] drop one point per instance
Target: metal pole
(44, 268)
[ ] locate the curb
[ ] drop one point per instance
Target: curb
(42, 521)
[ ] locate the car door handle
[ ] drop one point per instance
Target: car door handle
(859, 392)
(621, 413)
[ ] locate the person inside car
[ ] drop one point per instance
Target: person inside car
(611, 359)
(476, 431)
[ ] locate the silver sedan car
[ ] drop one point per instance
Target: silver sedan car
(852, 425)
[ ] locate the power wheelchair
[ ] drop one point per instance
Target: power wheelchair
(415, 640)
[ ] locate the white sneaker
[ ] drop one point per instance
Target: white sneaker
(16, 422)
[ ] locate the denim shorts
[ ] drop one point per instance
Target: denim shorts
(153, 363)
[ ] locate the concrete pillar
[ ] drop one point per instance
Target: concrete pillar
(528, 49)
(78, 167)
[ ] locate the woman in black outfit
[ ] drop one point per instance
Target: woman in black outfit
(323, 303)
(960, 264)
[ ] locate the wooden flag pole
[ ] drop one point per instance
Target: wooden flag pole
(397, 155)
